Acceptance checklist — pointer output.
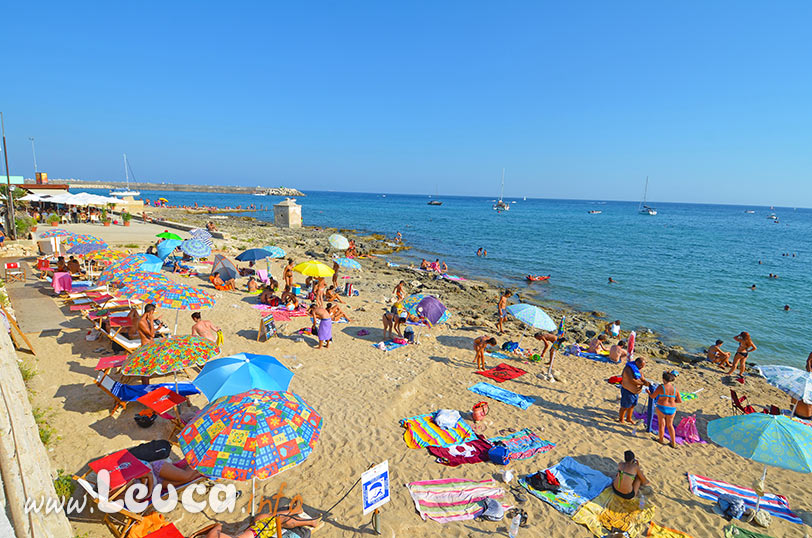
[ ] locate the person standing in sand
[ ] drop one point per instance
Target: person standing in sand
(287, 274)
(335, 274)
(666, 397)
(617, 353)
(325, 330)
(717, 356)
(631, 385)
(398, 291)
(501, 312)
(746, 346)
(479, 350)
(204, 328)
(549, 340)
(318, 291)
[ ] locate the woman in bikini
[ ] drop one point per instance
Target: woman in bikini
(746, 346)
(629, 477)
(666, 396)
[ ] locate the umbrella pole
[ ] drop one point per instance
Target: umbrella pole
(175, 374)
(253, 492)
(763, 476)
(177, 313)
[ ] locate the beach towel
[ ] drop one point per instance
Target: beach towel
(522, 444)
(608, 511)
(657, 531)
(453, 499)
(775, 505)
(732, 531)
(475, 451)
(598, 357)
(498, 355)
(503, 372)
(422, 431)
(389, 345)
(503, 395)
(579, 484)
(325, 330)
(655, 428)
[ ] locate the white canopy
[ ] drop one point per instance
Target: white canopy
(78, 199)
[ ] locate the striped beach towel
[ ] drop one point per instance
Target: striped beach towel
(421, 431)
(523, 444)
(710, 489)
(453, 499)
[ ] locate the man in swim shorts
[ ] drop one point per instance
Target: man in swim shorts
(617, 353)
(631, 385)
(717, 356)
(501, 312)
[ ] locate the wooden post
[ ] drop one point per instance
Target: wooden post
(13, 323)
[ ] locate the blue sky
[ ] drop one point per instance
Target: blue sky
(574, 99)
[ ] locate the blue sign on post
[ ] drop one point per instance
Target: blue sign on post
(375, 487)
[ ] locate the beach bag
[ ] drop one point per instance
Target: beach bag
(762, 519)
(447, 418)
(494, 511)
(730, 506)
(408, 334)
(158, 449)
(687, 430)
(510, 346)
(574, 349)
(145, 418)
(499, 455)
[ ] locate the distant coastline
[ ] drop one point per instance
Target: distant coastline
(224, 189)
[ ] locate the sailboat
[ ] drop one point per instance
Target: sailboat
(500, 204)
(127, 191)
(435, 202)
(643, 209)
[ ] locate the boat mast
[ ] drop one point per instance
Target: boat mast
(502, 190)
(126, 174)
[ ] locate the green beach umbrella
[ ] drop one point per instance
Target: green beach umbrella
(166, 234)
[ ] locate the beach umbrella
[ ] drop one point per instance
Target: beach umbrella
(54, 232)
(82, 239)
(166, 247)
(773, 440)
(313, 268)
(227, 376)
(425, 306)
(254, 434)
(144, 263)
(347, 263)
(338, 241)
(169, 355)
(195, 248)
(276, 252)
(797, 383)
(86, 248)
(532, 315)
(107, 254)
(253, 254)
(202, 235)
(166, 234)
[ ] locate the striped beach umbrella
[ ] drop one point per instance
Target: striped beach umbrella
(195, 248)
(54, 232)
(276, 252)
(202, 235)
(348, 263)
(144, 263)
(169, 355)
(338, 241)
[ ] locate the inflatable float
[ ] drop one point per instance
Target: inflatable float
(537, 278)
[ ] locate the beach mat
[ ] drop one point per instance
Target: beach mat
(608, 511)
(453, 499)
(579, 484)
(775, 505)
(658, 531)
(421, 431)
(732, 531)
(389, 345)
(503, 395)
(523, 444)
(596, 357)
(501, 373)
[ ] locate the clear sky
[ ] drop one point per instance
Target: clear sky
(712, 100)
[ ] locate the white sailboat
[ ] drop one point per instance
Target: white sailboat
(643, 209)
(500, 204)
(127, 191)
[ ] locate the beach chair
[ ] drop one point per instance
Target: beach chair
(14, 271)
(44, 267)
(120, 339)
(738, 404)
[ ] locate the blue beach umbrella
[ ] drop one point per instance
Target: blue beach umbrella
(253, 254)
(797, 383)
(166, 247)
(769, 439)
(276, 252)
(348, 263)
(532, 315)
(202, 235)
(195, 248)
(238, 373)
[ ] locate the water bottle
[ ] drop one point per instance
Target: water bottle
(514, 526)
(642, 501)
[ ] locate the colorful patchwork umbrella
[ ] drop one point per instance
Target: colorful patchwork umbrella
(347, 263)
(86, 248)
(254, 434)
(169, 355)
(107, 254)
(166, 234)
(421, 304)
(202, 235)
(146, 263)
(195, 248)
(338, 241)
(313, 268)
(532, 315)
(797, 383)
(163, 292)
(81, 239)
(238, 373)
(54, 232)
(276, 252)
(769, 439)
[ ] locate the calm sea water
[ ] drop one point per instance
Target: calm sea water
(685, 273)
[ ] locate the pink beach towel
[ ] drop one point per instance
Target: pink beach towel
(453, 499)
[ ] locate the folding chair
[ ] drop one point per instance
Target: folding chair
(14, 272)
(44, 267)
(738, 404)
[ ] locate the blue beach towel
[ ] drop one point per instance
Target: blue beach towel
(390, 345)
(579, 484)
(596, 357)
(498, 355)
(503, 395)
(129, 393)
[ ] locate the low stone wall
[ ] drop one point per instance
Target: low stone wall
(24, 464)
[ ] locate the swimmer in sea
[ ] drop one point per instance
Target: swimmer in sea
(612, 281)
(753, 287)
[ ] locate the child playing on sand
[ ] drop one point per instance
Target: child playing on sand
(479, 350)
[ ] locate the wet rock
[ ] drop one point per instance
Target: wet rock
(590, 333)
(679, 356)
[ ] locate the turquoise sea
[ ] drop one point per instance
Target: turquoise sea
(685, 273)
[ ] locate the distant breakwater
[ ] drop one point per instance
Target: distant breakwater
(224, 189)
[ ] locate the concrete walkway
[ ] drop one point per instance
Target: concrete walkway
(33, 304)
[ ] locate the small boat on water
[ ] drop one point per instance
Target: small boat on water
(644, 209)
(749, 211)
(537, 278)
(500, 204)
(435, 202)
(127, 191)
(595, 212)
(772, 216)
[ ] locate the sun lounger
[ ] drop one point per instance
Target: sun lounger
(120, 339)
(123, 393)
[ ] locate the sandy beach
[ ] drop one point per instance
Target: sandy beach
(362, 393)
